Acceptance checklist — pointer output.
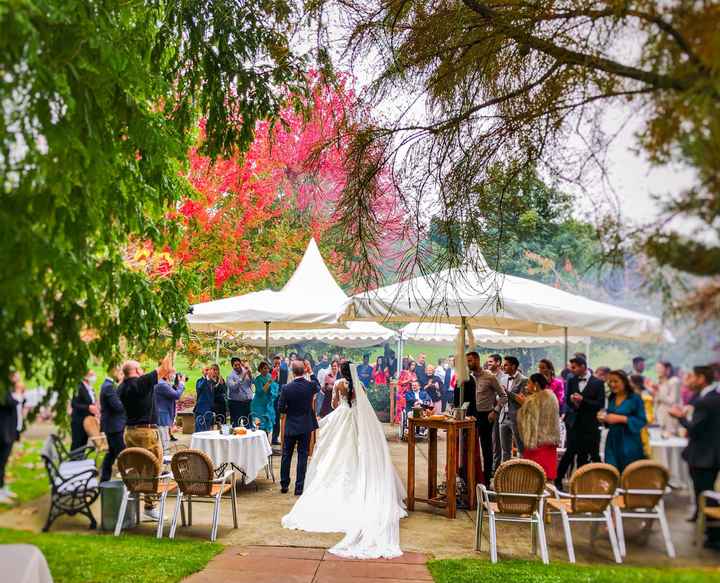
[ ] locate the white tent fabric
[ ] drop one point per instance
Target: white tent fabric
(501, 302)
(356, 335)
(442, 334)
(310, 299)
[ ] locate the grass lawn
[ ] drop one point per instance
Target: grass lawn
(87, 558)
(473, 570)
(25, 474)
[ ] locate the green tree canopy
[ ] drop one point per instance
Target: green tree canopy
(101, 101)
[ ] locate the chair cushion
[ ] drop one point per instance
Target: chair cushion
(713, 512)
(563, 503)
(72, 468)
(76, 485)
(220, 488)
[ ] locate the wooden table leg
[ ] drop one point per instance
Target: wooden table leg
(432, 463)
(471, 477)
(452, 451)
(410, 503)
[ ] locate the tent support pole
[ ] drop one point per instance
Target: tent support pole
(217, 347)
(565, 335)
(267, 341)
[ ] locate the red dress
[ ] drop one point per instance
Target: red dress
(546, 456)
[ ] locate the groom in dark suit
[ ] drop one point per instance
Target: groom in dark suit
(296, 403)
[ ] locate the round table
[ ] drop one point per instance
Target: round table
(248, 453)
(668, 451)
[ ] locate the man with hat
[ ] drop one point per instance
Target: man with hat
(240, 392)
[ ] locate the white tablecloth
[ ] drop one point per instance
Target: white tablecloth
(249, 452)
(668, 451)
(23, 564)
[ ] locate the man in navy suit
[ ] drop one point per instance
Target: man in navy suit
(296, 403)
(112, 421)
(584, 398)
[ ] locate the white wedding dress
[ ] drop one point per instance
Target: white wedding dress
(351, 485)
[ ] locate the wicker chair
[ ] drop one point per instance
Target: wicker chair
(518, 497)
(642, 486)
(142, 475)
(592, 489)
(707, 515)
(197, 478)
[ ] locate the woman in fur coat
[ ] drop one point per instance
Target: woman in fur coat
(539, 425)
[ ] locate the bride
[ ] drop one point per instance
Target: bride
(351, 484)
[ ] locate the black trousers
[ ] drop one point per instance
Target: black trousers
(116, 443)
(276, 426)
(79, 437)
(5, 449)
(239, 409)
(704, 479)
(289, 442)
(586, 448)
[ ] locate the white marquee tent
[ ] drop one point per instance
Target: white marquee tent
(356, 335)
(442, 334)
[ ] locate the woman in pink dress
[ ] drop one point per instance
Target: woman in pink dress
(547, 369)
(539, 425)
(405, 381)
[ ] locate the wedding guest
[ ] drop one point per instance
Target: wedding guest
(219, 391)
(112, 420)
(602, 373)
(646, 395)
(420, 369)
(416, 394)
(486, 397)
(638, 367)
(625, 418)
(82, 405)
(327, 389)
(365, 371)
(539, 424)
(167, 392)
(494, 365)
(686, 391)
(405, 381)
(392, 363)
(136, 394)
(240, 390)
(434, 389)
(703, 450)
(448, 384)
(10, 425)
(280, 374)
(381, 374)
(584, 397)
(515, 383)
(667, 395)
(323, 363)
(203, 402)
(547, 369)
(262, 409)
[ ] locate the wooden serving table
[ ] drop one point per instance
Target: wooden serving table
(454, 429)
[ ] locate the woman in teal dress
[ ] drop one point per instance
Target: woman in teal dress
(625, 418)
(266, 391)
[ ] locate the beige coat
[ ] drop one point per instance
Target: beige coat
(539, 420)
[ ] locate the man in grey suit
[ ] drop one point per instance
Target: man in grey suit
(515, 387)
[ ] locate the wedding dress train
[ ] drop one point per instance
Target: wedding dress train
(351, 485)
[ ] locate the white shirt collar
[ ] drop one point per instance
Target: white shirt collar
(709, 389)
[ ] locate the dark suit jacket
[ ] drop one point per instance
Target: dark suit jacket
(112, 412)
(584, 418)
(518, 388)
(296, 402)
(80, 403)
(8, 418)
(703, 450)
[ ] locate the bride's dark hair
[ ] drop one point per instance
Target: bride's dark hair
(347, 375)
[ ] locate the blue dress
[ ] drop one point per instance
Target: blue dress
(263, 404)
(624, 443)
(203, 404)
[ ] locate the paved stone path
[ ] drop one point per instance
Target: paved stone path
(261, 564)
